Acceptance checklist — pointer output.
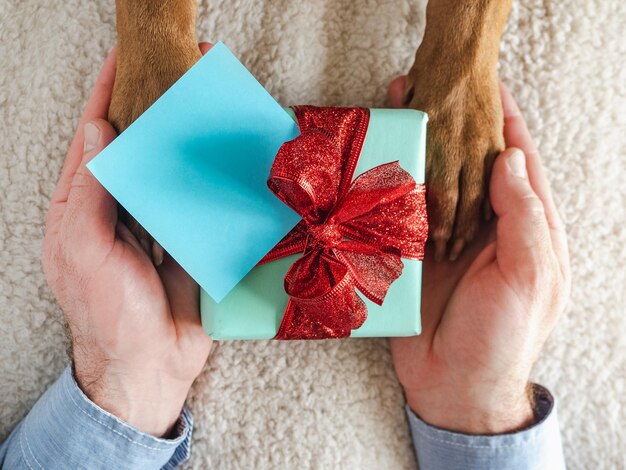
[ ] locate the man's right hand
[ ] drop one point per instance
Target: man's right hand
(487, 315)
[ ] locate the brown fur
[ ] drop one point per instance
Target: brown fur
(156, 45)
(453, 79)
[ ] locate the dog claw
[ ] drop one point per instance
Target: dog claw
(457, 248)
(145, 244)
(157, 253)
(440, 249)
(149, 246)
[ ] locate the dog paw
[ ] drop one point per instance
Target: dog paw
(464, 137)
(140, 80)
(142, 76)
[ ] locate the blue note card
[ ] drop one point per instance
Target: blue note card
(193, 170)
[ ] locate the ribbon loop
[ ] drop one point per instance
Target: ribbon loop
(376, 187)
(303, 175)
(373, 270)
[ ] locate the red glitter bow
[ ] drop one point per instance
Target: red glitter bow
(352, 234)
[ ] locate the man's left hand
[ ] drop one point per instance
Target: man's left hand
(137, 340)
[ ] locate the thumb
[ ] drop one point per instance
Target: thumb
(183, 293)
(91, 212)
(523, 236)
(184, 297)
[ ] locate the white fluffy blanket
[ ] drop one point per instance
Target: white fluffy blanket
(333, 404)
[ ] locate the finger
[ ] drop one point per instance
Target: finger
(523, 236)
(395, 93)
(205, 47)
(91, 212)
(516, 134)
(515, 130)
(97, 108)
(124, 234)
(184, 296)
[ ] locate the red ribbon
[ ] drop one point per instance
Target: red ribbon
(352, 233)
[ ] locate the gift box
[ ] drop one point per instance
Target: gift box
(255, 308)
(299, 223)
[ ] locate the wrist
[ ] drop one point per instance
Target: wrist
(470, 410)
(146, 400)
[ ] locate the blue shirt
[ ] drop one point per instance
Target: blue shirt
(67, 430)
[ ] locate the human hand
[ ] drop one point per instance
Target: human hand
(137, 340)
(487, 315)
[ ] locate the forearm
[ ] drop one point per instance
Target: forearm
(476, 408)
(156, 43)
(461, 38)
(156, 34)
(456, 27)
(156, 20)
(537, 446)
(67, 430)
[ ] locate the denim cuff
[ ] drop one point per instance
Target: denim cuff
(536, 447)
(65, 429)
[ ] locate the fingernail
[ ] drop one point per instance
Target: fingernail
(517, 164)
(92, 135)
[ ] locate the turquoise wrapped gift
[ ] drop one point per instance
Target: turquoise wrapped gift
(348, 177)
(254, 308)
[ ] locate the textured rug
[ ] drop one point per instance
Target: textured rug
(333, 404)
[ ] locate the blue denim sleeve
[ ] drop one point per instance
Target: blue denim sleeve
(67, 430)
(537, 447)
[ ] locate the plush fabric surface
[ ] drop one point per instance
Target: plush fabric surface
(333, 404)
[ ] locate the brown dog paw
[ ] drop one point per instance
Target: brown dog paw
(141, 78)
(464, 137)
(454, 79)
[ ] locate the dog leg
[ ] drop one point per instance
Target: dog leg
(156, 45)
(454, 79)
